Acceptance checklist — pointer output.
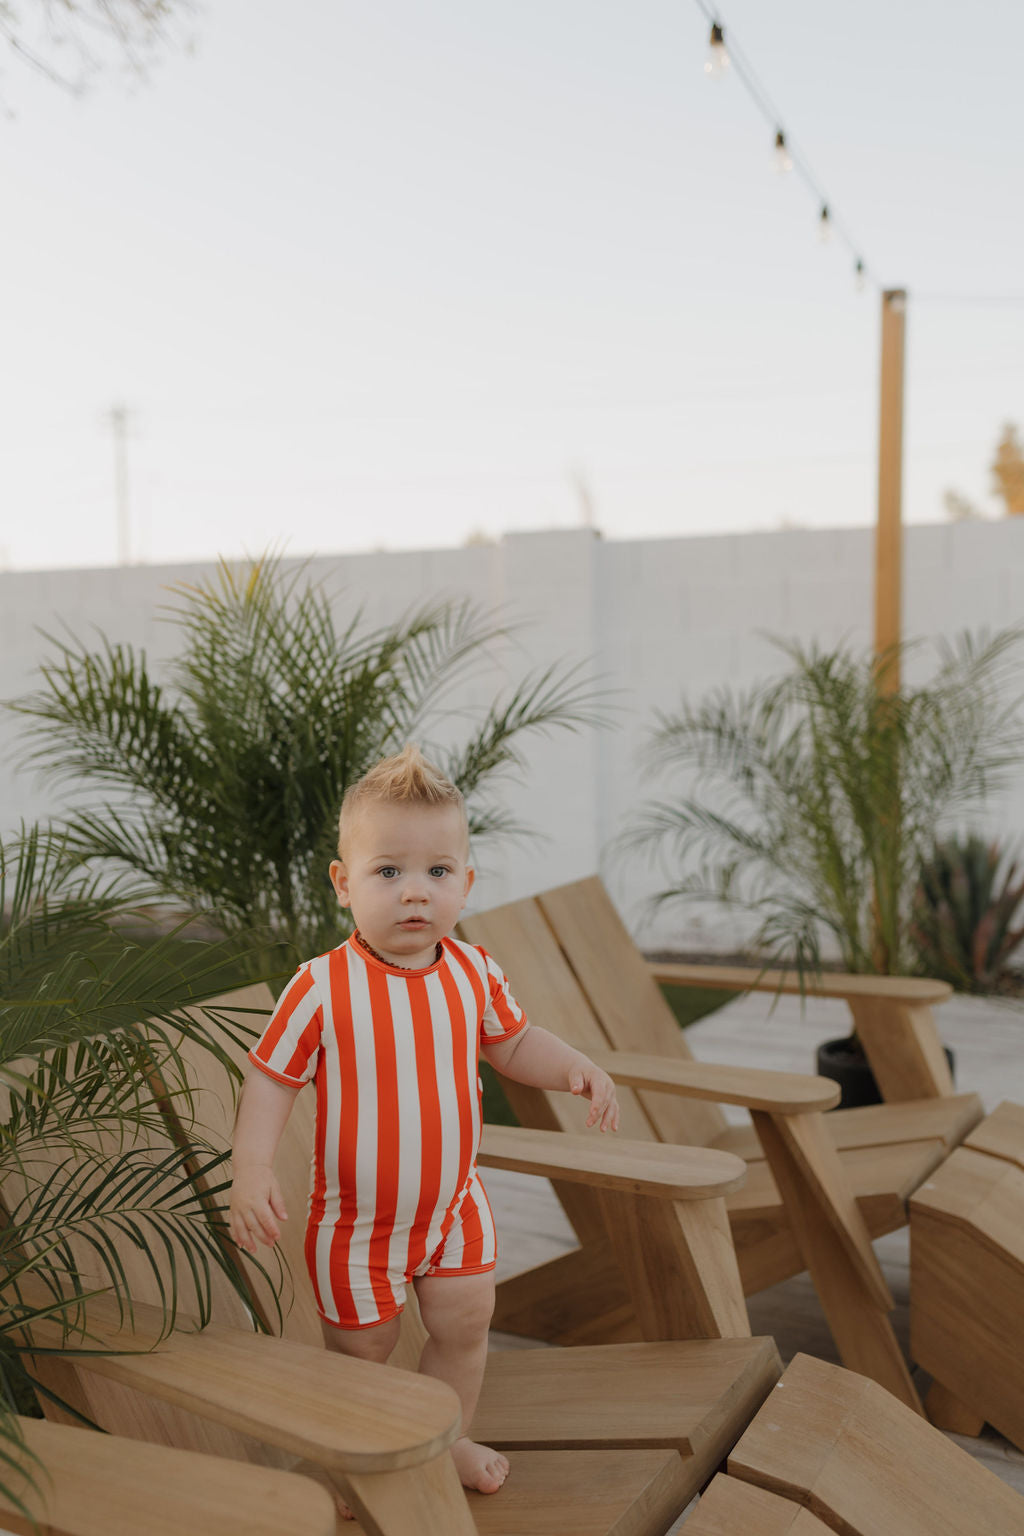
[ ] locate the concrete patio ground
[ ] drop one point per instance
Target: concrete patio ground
(987, 1039)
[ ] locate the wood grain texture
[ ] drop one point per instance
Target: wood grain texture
(1001, 1134)
(853, 1293)
(729, 1507)
(681, 1395)
(787, 1093)
(967, 1283)
(612, 1162)
(865, 1464)
(105, 1485)
(346, 1415)
(947, 1411)
(624, 999)
(593, 1493)
(741, 978)
(902, 1044)
(679, 1265)
(428, 1499)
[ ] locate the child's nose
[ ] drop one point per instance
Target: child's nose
(414, 889)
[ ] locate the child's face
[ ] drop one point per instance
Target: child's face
(406, 877)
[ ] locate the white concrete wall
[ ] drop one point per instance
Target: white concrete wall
(656, 617)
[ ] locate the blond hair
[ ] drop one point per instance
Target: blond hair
(405, 779)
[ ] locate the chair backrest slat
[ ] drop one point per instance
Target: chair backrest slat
(627, 1002)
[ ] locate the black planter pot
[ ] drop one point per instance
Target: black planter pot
(846, 1064)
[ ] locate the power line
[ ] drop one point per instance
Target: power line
(1006, 300)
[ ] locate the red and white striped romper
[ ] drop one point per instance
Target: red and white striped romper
(393, 1054)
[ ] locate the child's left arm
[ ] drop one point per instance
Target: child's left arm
(538, 1057)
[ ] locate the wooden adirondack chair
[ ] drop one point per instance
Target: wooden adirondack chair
(818, 1188)
(104, 1485)
(832, 1452)
(608, 1441)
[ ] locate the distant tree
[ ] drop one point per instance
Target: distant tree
(70, 41)
(1008, 471)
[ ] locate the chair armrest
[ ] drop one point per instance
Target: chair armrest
(780, 1093)
(747, 978)
(94, 1484)
(346, 1415)
(637, 1167)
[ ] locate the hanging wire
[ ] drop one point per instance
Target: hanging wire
(1006, 299)
(757, 92)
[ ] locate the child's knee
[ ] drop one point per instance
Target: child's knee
(456, 1309)
(374, 1343)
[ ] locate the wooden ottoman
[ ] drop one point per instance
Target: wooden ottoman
(967, 1280)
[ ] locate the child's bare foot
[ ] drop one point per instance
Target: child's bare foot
(478, 1466)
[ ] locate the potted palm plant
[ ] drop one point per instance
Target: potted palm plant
(219, 781)
(810, 802)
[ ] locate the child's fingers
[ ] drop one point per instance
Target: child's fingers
(252, 1225)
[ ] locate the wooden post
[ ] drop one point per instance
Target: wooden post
(889, 534)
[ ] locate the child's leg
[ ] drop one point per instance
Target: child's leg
(456, 1312)
(373, 1344)
(364, 1343)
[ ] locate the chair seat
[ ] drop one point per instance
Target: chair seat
(651, 1395)
(946, 1120)
(882, 1173)
(590, 1493)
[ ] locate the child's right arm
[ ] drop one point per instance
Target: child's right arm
(256, 1201)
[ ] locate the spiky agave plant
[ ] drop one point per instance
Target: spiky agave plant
(227, 781)
(963, 913)
(810, 801)
(88, 1017)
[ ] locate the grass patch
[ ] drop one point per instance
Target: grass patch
(692, 1003)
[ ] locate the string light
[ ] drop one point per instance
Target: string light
(859, 279)
(786, 157)
(717, 60)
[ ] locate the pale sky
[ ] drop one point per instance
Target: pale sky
(383, 275)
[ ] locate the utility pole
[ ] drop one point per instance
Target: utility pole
(889, 531)
(118, 418)
(585, 497)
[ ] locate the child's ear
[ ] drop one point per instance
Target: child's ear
(339, 879)
(470, 877)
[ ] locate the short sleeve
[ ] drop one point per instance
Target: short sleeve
(289, 1047)
(503, 1016)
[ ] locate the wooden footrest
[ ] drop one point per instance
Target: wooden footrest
(833, 1451)
(967, 1278)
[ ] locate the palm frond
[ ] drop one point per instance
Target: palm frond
(824, 791)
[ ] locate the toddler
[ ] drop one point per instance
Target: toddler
(389, 1027)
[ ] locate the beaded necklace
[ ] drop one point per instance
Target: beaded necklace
(438, 952)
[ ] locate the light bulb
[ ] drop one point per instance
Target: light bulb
(824, 224)
(717, 60)
(783, 159)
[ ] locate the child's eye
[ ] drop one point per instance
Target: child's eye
(440, 869)
(389, 871)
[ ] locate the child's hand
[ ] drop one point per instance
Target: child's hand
(598, 1087)
(256, 1207)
